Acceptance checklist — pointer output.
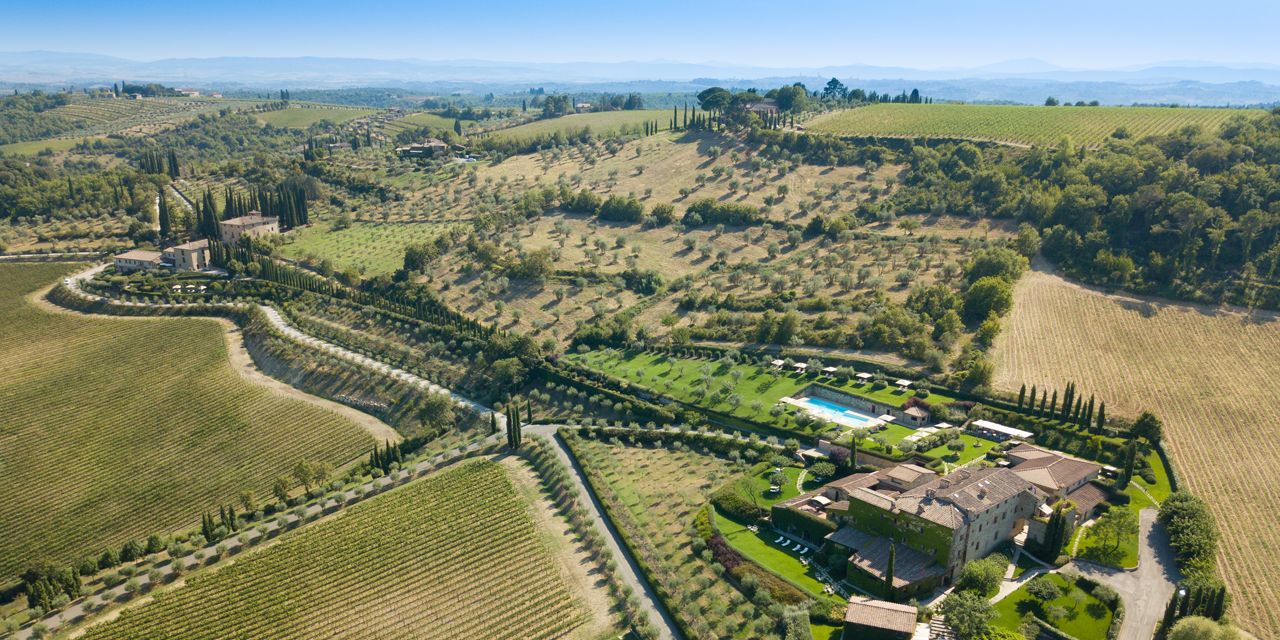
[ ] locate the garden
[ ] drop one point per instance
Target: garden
(1070, 605)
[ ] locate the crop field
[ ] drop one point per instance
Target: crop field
(454, 555)
(118, 428)
(368, 247)
(1018, 125)
(1206, 372)
(303, 117)
(598, 122)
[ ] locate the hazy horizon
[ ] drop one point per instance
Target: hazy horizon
(926, 35)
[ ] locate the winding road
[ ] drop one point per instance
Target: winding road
(1145, 590)
(628, 569)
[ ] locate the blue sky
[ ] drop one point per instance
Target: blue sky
(914, 33)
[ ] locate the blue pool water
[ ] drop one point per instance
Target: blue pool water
(836, 412)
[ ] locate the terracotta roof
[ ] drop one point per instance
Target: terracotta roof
(1049, 470)
(965, 493)
(140, 255)
(879, 614)
(871, 554)
(194, 245)
(1087, 498)
(251, 220)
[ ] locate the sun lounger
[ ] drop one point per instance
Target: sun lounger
(779, 540)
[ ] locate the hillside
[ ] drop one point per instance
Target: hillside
(116, 429)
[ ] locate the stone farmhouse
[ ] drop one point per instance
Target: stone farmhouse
(254, 225)
(934, 524)
(192, 256)
(138, 260)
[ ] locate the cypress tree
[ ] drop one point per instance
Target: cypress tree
(1022, 394)
(162, 204)
(888, 574)
(1032, 404)
(1053, 404)
(1102, 414)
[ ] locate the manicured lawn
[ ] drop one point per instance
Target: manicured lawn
(1093, 547)
(1085, 616)
(746, 391)
(975, 448)
(825, 632)
(760, 548)
(788, 489)
(1161, 489)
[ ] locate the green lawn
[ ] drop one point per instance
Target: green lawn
(300, 118)
(1086, 616)
(759, 547)
(755, 388)
(371, 248)
(1161, 489)
(760, 482)
(975, 448)
(1091, 547)
(825, 632)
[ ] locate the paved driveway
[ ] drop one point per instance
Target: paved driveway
(1145, 590)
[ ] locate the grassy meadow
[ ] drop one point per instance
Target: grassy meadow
(1204, 371)
(438, 558)
(1018, 125)
(117, 428)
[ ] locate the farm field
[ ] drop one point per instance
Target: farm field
(443, 557)
(303, 117)
(1202, 370)
(119, 428)
(1019, 125)
(368, 247)
(598, 122)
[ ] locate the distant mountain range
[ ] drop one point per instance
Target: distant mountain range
(1028, 80)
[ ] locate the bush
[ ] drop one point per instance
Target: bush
(734, 499)
(1043, 589)
(983, 576)
(1193, 534)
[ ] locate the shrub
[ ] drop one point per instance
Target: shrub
(983, 576)
(734, 499)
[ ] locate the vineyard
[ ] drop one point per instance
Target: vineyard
(1206, 372)
(1017, 125)
(115, 429)
(456, 555)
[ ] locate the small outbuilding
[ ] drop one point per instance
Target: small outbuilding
(868, 619)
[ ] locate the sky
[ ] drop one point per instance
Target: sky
(925, 34)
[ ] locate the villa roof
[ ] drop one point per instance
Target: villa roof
(252, 220)
(879, 614)
(193, 245)
(1087, 498)
(871, 554)
(965, 493)
(908, 472)
(140, 255)
(916, 412)
(1048, 470)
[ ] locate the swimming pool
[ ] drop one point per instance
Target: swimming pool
(834, 412)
